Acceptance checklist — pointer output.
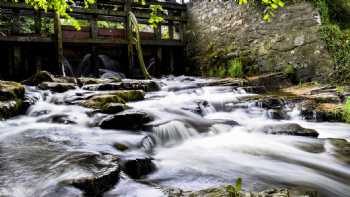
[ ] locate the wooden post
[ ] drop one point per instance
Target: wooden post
(15, 28)
(127, 9)
(37, 22)
(93, 36)
(58, 41)
(171, 30)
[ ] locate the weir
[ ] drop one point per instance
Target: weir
(32, 40)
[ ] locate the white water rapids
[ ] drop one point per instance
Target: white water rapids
(191, 152)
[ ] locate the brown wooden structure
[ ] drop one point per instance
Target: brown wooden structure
(51, 34)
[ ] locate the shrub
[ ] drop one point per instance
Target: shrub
(235, 68)
(347, 111)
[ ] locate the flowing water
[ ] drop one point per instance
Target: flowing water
(195, 141)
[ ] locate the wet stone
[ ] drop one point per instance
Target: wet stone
(127, 120)
(103, 175)
(137, 168)
(288, 129)
(57, 87)
(38, 78)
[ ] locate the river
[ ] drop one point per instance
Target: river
(201, 137)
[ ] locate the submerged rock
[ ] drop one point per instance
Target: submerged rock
(341, 149)
(137, 168)
(288, 129)
(56, 87)
(38, 78)
(127, 120)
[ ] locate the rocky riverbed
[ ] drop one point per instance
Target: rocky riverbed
(175, 136)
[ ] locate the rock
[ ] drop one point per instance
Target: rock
(224, 191)
(103, 99)
(10, 108)
(321, 112)
(10, 90)
(270, 103)
(89, 81)
(120, 147)
(277, 114)
(270, 81)
(38, 78)
(56, 87)
(11, 99)
(113, 108)
(224, 82)
(127, 120)
(341, 149)
(145, 85)
(288, 129)
(101, 173)
(137, 168)
(58, 118)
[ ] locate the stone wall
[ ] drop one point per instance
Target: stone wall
(221, 30)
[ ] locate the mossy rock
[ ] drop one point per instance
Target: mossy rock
(101, 101)
(38, 78)
(10, 108)
(11, 90)
(57, 87)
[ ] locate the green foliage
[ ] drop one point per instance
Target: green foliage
(234, 191)
(155, 19)
(337, 41)
(346, 111)
(59, 6)
(235, 68)
(270, 7)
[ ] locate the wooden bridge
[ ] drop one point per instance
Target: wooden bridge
(103, 26)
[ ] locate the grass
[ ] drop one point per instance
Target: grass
(235, 68)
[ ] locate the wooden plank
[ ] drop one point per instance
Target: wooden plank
(25, 39)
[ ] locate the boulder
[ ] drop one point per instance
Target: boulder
(10, 90)
(270, 81)
(113, 108)
(101, 173)
(127, 120)
(38, 78)
(102, 100)
(145, 85)
(57, 87)
(11, 99)
(137, 168)
(277, 114)
(270, 102)
(288, 129)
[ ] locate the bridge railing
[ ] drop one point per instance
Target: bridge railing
(103, 23)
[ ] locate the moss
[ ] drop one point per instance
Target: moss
(38, 78)
(11, 90)
(120, 147)
(102, 101)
